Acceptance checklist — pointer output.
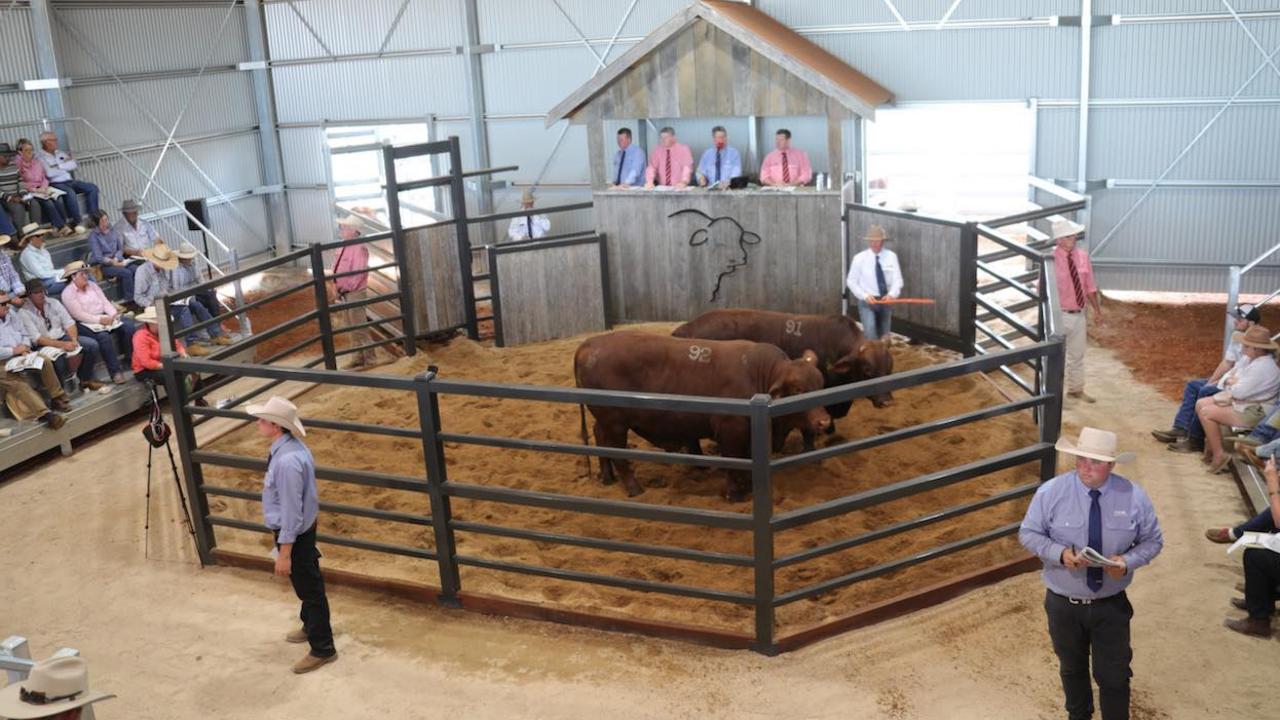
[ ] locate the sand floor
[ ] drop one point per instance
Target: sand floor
(176, 642)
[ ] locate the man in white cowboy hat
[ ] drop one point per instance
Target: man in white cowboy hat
(155, 280)
(23, 402)
(290, 506)
(875, 275)
(1091, 509)
(136, 233)
(1254, 380)
(203, 305)
(1076, 289)
(353, 287)
(56, 688)
(36, 261)
(1185, 424)
(10, 282)
(98, 317)
(530, 226)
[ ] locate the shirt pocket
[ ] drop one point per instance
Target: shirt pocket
(1120, 532)
(1068, 530)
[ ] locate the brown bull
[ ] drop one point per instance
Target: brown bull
(643, 362)
(845, 355)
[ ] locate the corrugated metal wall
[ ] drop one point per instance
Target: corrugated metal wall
(147, 47)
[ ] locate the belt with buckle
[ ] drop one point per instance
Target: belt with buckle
(1089, 601)
(1073, 312)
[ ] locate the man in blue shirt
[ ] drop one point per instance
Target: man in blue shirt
(1086, 604)
(720, 163)
(628, 162)
(290, 506)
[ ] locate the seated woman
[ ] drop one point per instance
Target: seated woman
(1255, 380)
(35, 181)
(106, 250)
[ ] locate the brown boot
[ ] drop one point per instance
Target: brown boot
(1249, 626)
(61, 404)
(311, 662)
(296, 636)
(53, 420)
(1218, 534)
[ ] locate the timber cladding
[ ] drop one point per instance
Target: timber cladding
(666, 268)
(432, 256)
(703, 71)
(937, 262)
(548, 290)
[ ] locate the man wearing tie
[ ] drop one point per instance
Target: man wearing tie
(528, 227)
(720, 163)
(628, 162)
(875, 275)
(786, 165)
(671, 164)
(1074, 273)
(1088, 611)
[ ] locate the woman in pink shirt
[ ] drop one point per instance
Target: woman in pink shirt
(34, 180)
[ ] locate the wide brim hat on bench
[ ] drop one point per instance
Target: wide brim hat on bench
(53, 687)
(279, 411)
(31, 230)
(1095, 444)
(161, 255)
(72, 268)
(1256, 336)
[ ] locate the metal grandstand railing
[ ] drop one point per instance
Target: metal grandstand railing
(1235, 279)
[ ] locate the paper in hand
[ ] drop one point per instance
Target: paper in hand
(1097, 559)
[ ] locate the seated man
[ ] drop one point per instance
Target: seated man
(36, 261)
(48, 324)
(204, 305)
(1261, 572)
(22, 401)
(10, 282)
(106, 250)
(1186, 426)
(531, 226)
(721, 162)
(136, 233)
(628, 162)
(786, 165)
(671, 164)
(98, 318)
(11, 202)
(155, 280)
(58, 166)
(1255, 380)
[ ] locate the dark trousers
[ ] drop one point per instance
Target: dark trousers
(1261, 575)
(71, 187)
(1186, 419)
(6, 223)
(107, 345)
(1100, 629)
(1262, 522)
(88, 359)
(125, 275)
(52, 213)
(308, 584)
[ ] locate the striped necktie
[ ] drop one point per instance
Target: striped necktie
(1075, 280)
(667, 178)
(786, 169)
(717, 165)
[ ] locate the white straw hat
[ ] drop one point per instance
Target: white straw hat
(279, 411)
(54, 686)
(1065, 228)
(1096, 444)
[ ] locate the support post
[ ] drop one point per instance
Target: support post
(441, 515)
(458, 199)
(1233, 299)
(322, 308)
(495, 296)
(835, 144)
(233, 261)
(408, 315)
(1055, 364)
(476, 112)
(47, 66)
(176, 389)
(761, 517)
(1082, 130)
(164, 325)
(279, 221)
(595, 152)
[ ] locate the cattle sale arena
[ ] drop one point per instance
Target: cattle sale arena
(680, 358)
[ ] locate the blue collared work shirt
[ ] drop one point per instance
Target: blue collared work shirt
(730, 164)
(1058, 518)
(290, 499)
(632, 160)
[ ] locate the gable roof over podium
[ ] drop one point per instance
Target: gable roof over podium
(719, 58)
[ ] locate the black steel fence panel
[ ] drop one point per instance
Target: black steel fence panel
(338, 508)
(585, 396)
(739, 598)
(388, 548)
(666, 551)
(323, 472)
(598, 451)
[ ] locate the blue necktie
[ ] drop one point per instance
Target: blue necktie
(881, 284)
(1093, 576)
(622, 157)
(717, 165)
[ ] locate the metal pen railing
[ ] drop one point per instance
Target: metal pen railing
(762, 520)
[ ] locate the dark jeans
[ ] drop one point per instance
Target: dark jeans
(1186, 419)
(1262, 522)
(125, 274)
(308, 584)
(73, 206)
(54, 287)
(6, 223)
(52, 213)
(1264, 431)
(18, 214)
(1100, 629)
(876, 319)
(1261, 575)
(200, 312)
(88, 360)
(107, 345)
